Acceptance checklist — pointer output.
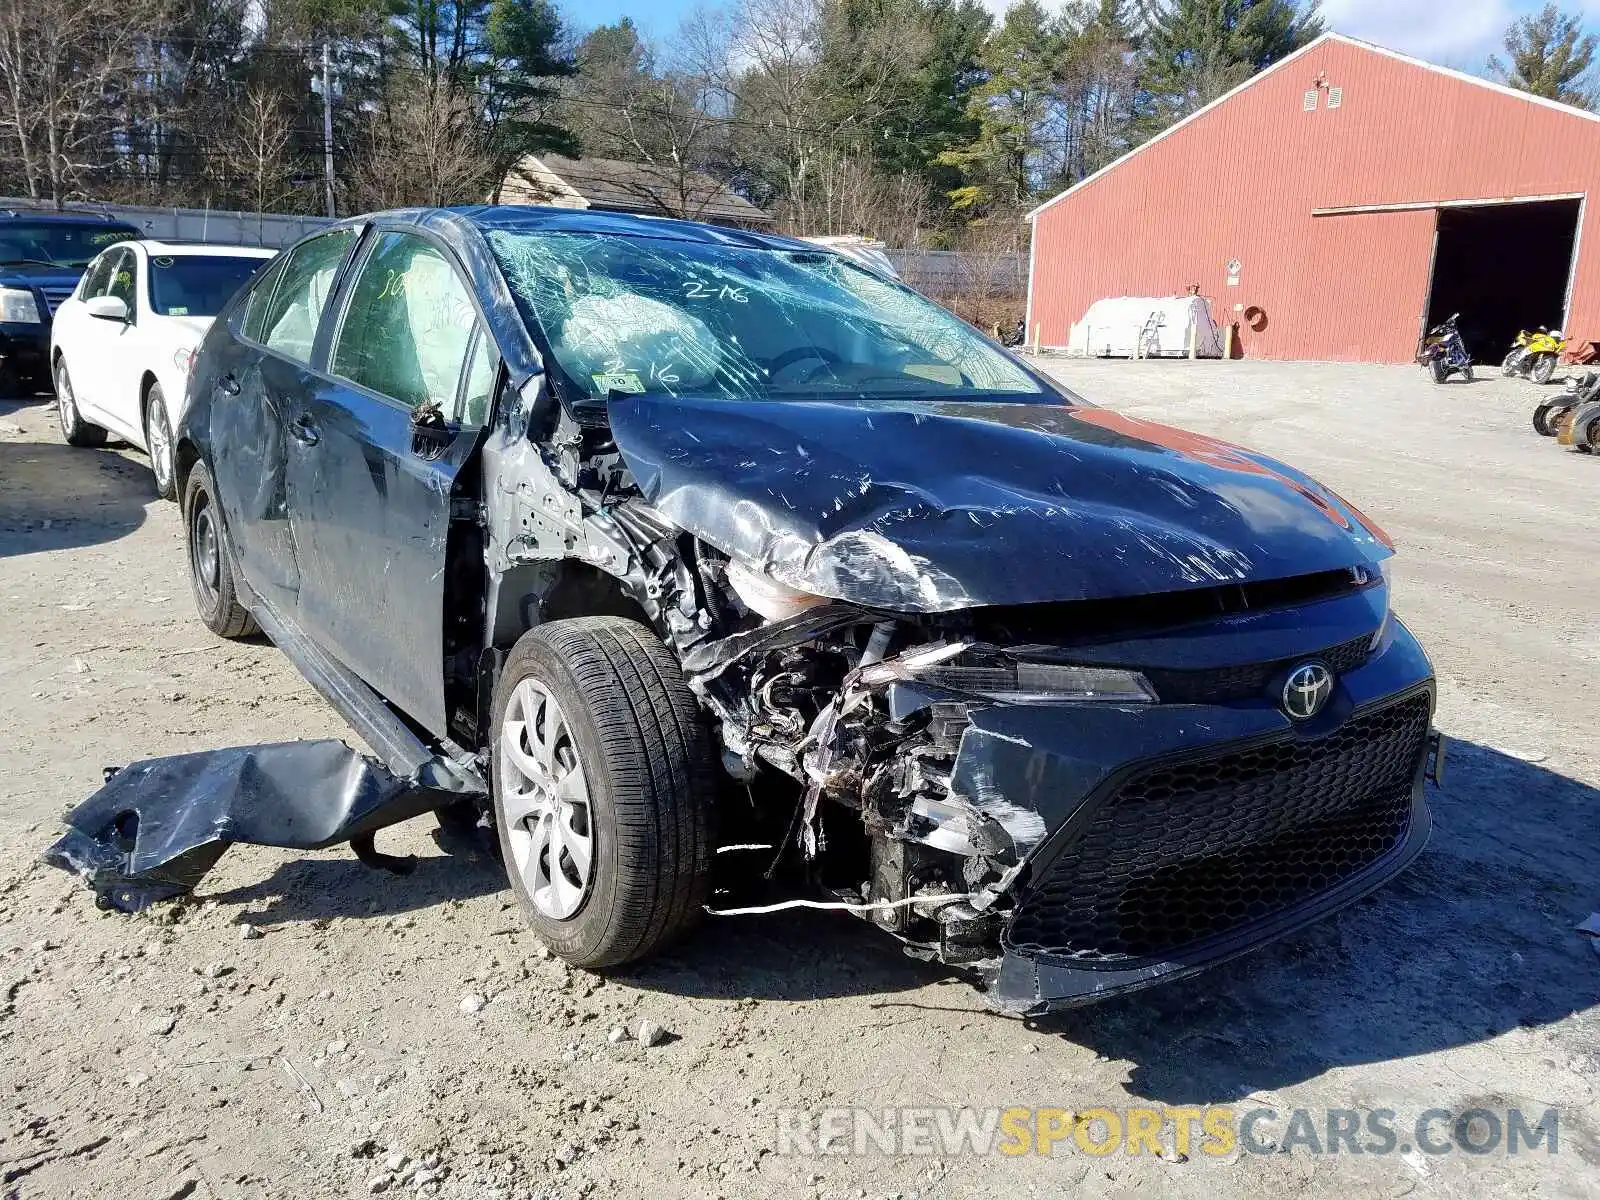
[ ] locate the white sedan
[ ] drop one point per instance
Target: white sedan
(121, 345)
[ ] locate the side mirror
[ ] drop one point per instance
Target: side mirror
(108, 308)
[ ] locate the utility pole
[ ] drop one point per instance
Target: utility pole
(327, 128)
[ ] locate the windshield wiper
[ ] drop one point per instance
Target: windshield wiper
(37, 262)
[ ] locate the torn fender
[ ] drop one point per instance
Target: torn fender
(918, 506)
(157, 826)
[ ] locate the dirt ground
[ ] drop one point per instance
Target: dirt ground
(174, 1054)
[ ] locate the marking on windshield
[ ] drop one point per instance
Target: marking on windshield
(695, 290)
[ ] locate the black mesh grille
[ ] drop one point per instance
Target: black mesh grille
(1251, 679)
(1181, 854)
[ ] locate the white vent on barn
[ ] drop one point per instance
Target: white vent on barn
(1310, 102)
(1335, 97)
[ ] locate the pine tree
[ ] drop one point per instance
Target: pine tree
(1010, 107)
(1550, 56)
(1195, 50)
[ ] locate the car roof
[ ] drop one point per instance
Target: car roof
(93, 220)
(533, 218)
(177, 249)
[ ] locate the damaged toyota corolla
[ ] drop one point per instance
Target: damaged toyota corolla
(655, 546)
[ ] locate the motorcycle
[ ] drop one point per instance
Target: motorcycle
(1442, 351)
(1550, 417)
(1581, 430)
(1535, 354)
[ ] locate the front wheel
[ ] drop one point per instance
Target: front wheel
(1466, 373)
(158, 441)
(1438, 370)
(603, 789)
(1512, 362)
(75, 431)
(1544, 366)
(1541, 421)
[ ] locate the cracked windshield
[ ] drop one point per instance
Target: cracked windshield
(636, 315)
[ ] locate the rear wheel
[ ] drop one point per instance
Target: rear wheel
(603, 789)
(1544, 366)
(158, 441)
(1437, 369)
(1466, 373)
(75, 431)
(216, 597)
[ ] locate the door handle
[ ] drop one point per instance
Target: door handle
(229, 384)
(304, 430)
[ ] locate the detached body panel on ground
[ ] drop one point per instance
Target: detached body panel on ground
(567, 513)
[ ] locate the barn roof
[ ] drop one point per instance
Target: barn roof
(1330, 36)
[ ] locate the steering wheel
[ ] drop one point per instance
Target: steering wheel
(799, 354)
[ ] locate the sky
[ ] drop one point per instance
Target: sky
(1453, 33)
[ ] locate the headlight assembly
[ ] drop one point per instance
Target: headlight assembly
(18, 306)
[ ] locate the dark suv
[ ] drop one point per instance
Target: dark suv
(645, 541)
(42, 257)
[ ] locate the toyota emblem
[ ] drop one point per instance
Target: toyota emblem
(1307, 690)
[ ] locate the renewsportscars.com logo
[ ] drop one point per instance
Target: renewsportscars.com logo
(1214, 1131)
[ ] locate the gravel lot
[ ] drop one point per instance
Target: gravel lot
(172, 1055)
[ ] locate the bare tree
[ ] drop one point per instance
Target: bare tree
(63, 66)
(424, 147)
(259, 145)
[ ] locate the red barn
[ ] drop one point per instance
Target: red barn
(1335, 205)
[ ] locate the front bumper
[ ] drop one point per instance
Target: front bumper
(25, 353)
(1177, 836)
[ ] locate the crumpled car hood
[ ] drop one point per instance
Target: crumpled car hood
(937, 506)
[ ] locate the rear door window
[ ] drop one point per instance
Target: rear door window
(289, 320)
(408, 325)
(259, 300)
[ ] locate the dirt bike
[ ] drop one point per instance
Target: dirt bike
(1442, 351)
(1550, 417)
(1535, 354)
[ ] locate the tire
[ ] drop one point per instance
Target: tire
(158, 442)
(75, 431)
(641, 746)
(1466, 373)
(1512, 362)
(1541, 421)
(1438, 370)
(211, 568)
(1544, 366)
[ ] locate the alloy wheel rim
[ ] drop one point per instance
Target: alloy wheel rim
(66, 407)
(160, 443)
(544, 802)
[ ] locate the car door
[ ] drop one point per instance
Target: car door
(373, 457)
(122, 372)
(94, 367)
(71, 329)
(264, 374)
